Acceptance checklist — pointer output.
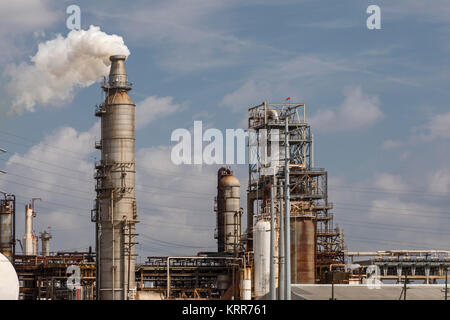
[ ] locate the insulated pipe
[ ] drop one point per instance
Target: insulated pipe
(273, 259)
(113, 267)
(281, 253)
(312, 151)
(287, 209)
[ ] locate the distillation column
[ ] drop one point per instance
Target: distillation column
(29, 239)
(116, 212)
(45, 243)
(228, 212)
(7, 227)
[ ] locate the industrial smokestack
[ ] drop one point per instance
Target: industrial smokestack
(117, 74)
(115, 210)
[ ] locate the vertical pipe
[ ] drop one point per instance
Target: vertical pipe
(404, 288)
(446, 292)
(287, 209)
(168, 278)
(332, 285)
(14, 228)
(312, 151)
(129, 261)
(97, 259)
(273, 295)
(281, 279)
(113, 267)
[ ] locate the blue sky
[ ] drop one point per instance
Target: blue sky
(377, 101)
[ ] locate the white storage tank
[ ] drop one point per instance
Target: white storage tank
(261, 236)
(9, 283)
(246, 284)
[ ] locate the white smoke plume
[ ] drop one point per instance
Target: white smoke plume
(61, 65)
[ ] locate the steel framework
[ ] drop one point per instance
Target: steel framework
(308, 187)
(45, 278)
(189, 277)
(420, 265)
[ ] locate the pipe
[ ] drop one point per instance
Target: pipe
(113, 268)
(273, 295)
(281, 253)
(312, 151)
(124, 274)
(129, 260)
(287, 209)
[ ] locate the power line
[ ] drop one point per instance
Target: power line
(368, 225)
(168, 243)
(390, 241)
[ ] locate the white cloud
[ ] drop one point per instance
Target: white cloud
(435, 128)
(439, 181)
(57, 170)
(185, 35)
(276, 81)
(388, 211)
(26, 15)
(180, 195)
(152, 108)
(20, 17)
(247, 95)
(390, 182)
(420, 10)
(175, 203)
(391, 144)
(357, 111)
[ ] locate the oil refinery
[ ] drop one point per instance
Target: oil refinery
(289, 247)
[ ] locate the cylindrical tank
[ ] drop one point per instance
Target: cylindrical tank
(35, 245)
(246, 284)
(261, 245)
(9, 283)
(303, 250)
(45, 243)
(228, 211)
(6, 230)
(116, 189)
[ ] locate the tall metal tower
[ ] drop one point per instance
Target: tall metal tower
(115, 212)
(280, 151)
(228, 211)
(8, 226)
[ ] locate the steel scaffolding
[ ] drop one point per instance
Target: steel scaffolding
(315, 242)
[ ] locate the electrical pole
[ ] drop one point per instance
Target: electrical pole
(287, 210)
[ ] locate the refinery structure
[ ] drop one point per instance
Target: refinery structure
(288, 248)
